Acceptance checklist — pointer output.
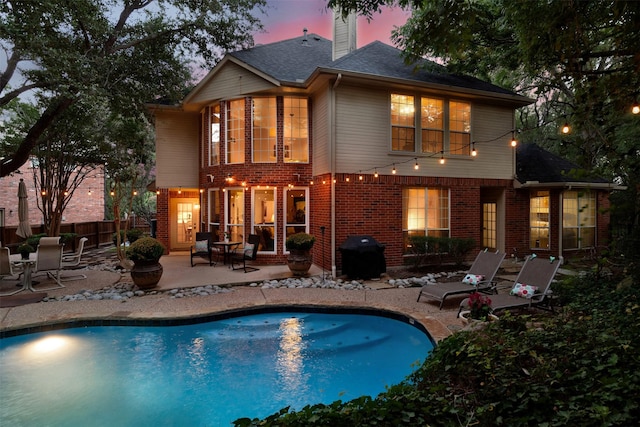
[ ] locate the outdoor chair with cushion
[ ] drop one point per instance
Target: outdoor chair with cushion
(49, 262)
(6, 269)
(532, 286)
(203, 247)
(248, 253)
(44, 241)
(73, 260)
(479, 277)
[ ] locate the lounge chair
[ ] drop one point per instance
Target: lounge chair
(248, 253)
(478, 278)
(49, 262)
(532, 286)
(71, 261)
(203, 247)
(6, 269)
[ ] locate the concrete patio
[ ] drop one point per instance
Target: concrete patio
(179, 274)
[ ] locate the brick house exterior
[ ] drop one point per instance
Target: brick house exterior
(383, 149)
(87, 203)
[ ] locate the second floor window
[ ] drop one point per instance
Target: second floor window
(263, 117)
(296, 130)
(444, 126)
(235, 131)
(214, 147)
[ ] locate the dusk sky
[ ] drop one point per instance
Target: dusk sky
(287, 18)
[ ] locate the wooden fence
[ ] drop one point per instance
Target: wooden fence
(99, 233)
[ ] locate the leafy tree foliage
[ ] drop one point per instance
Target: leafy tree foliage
(127, 52)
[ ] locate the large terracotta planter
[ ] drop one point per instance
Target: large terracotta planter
(146, 274)
(299, 262)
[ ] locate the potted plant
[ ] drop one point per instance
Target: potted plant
(145, 254)
(479, 309)
(24, 250)
(299, 246)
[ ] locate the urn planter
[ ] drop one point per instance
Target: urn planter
(299, 261)
(146, 273)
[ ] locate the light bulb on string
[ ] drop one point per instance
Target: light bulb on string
(473, 150)
(416, 166)
(635, 108)
(375, 174)
(393, 171)
(442, 157)
(566, 128)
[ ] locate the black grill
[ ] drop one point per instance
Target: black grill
(362, 258)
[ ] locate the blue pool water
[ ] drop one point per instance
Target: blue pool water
(205, 374)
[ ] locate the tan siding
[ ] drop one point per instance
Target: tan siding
(229, 82)
(177, 149)
(321, 133)
(364, 132)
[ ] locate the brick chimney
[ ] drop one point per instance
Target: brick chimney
(344, 34)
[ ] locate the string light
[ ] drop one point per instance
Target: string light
(442, 157)
(157, 192)
(180, 190)
(375, 174)
(473, 149)
(393, 171)
(635, 108)
(360, 177)
(416, 166)
(566, 128)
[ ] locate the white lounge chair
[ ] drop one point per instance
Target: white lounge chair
(6, 269)
(71, 261)
(49, 262)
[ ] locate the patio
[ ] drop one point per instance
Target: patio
(160, 304)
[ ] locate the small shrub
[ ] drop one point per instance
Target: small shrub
(145, 249)
(67, 239)
(300, 241)
(134, 234)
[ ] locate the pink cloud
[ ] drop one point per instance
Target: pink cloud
(287, 18)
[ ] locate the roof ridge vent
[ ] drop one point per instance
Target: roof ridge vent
(305, 41)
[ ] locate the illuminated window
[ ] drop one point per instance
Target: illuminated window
(425, 211)
(432, 125)
(264, 217)
(235, 214)
(578, 220)
(214, 144)
(235, 131)
(264, 130)
(459, 128)
(296, 130)
(539, 219)
(403, 132)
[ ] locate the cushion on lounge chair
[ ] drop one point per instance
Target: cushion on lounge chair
(202, 245)
(523, 291)
(473, 279)
(248, 249)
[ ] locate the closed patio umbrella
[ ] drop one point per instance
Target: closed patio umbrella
(24, 228)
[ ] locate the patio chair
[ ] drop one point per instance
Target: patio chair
(532, 286)
(479, 277)
(203, 247)
(44, 241)
(6, 269)
(248, 253)
(71, 261)
(49, 262)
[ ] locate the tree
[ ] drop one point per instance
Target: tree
(126, 51)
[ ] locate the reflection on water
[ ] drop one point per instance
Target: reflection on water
(290, 357)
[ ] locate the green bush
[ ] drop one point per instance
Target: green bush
(67, 239)
(300, 241)
(34, 239)
(425, 247)
(145, 249)
(115, 237)
(134, 234)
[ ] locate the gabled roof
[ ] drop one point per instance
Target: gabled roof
(536, 167)
(382, 60)
(295, 61)
(292, 60)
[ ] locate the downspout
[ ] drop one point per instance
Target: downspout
(332, 154)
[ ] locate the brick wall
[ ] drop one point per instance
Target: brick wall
(87, 203)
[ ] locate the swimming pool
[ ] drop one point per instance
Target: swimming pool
(204, 374)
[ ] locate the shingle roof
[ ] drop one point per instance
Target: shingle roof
(294, 60)
(536, 164)
(290, 60)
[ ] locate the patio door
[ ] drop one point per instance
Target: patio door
(184, 223)
(489, 225)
